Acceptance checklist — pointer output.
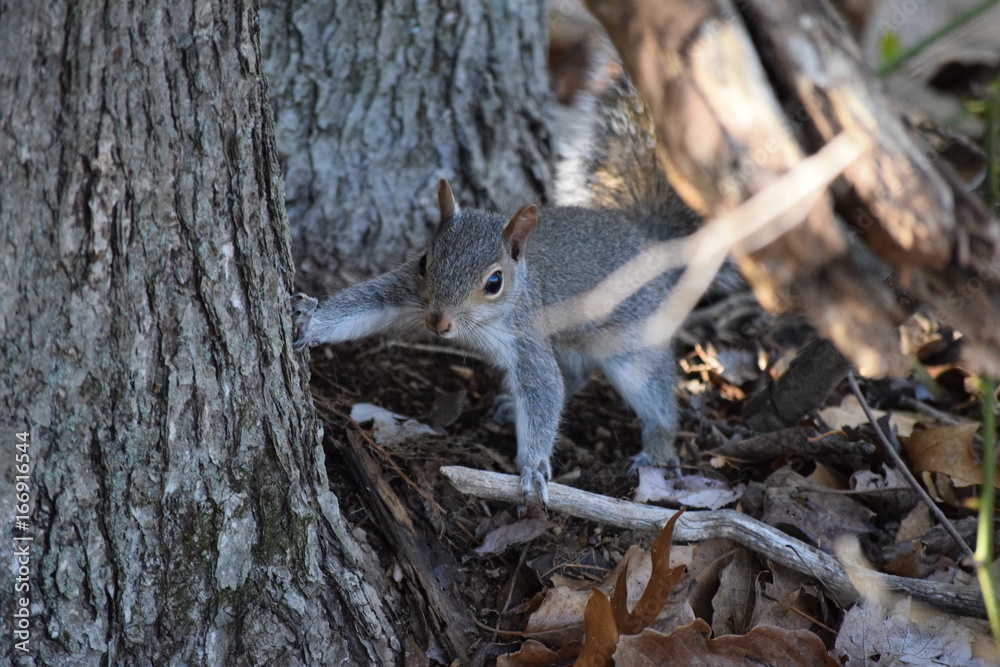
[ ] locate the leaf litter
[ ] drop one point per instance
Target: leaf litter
(550, 591)
(638, 601)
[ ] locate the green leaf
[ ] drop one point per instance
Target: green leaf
(889, 47)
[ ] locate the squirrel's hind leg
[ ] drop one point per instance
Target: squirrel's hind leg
(646, 380)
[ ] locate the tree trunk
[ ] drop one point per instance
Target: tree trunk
(374, 102)
(179, 507)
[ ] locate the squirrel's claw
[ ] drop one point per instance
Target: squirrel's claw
(303, 307)
(534, 486)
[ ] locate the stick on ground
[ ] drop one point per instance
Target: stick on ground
(900, 465)
(726, 524)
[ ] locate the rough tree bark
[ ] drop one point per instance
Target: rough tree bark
(375, 102)
(739, 96)
(180, 510)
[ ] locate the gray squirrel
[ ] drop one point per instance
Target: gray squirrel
(489, 283)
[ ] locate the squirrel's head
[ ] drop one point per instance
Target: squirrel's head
(472, 268)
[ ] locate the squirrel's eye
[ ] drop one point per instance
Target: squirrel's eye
(493, 283)
(422, 266)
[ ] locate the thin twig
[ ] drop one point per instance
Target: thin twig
(498, 631)
(851, 492)
(813, 620)
(510, 593)
(513, 579)
(930, 411)
(905, 471)
(399, 471)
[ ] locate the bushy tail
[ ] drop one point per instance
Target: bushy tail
(608, 151)
(608, 154)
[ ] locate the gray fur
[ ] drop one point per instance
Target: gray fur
(571, 251)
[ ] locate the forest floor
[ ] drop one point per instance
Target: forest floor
(514, 590)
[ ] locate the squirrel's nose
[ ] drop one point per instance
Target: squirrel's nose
(439, 323)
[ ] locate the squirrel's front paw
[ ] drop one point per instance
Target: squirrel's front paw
(534, 484)
(303, 307)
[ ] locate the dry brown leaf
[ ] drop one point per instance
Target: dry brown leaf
(892, 495)
(915, 523)
(661, 582)
(531, 654)
(564, 613)
(909, 565)
(850, 413)
(780, 597)
(561, 580)
(600, 633)
(820, 517)
(707, 562)
(907, 634)
(638, 572)
(693, 491)
(637, 566)
(558, 619)
(630, 576)
(681, 554)
(825, 476)
(536, 654)
(948, 450)
(733, 602)
(939, 489)
(692, 645)
(520, 532)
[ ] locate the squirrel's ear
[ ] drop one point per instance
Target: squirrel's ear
(446, 200)
(519, 229)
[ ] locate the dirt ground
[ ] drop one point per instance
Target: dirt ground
(484, 603)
